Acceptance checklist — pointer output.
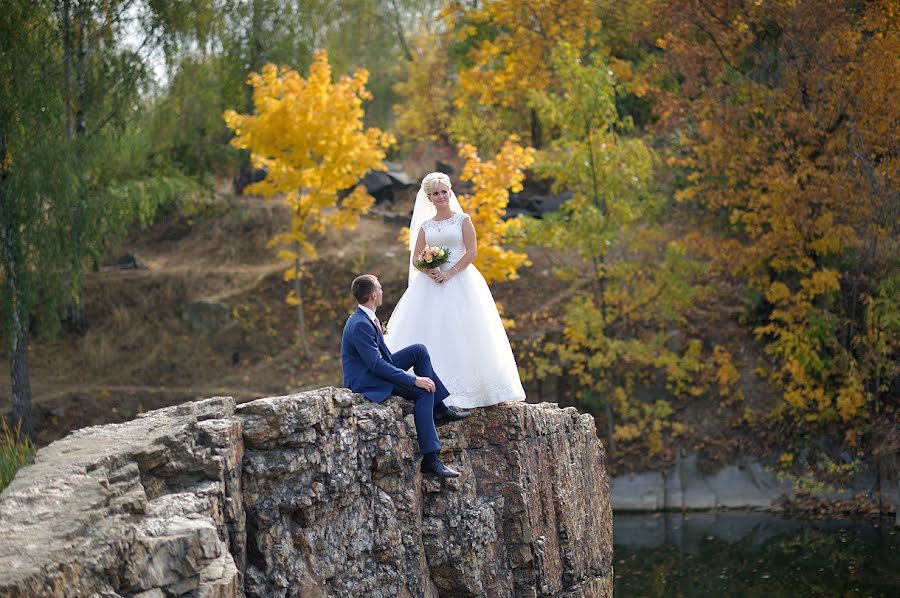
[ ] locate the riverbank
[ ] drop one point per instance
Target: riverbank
(751, 484)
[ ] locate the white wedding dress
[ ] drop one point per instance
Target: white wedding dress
(457, 321)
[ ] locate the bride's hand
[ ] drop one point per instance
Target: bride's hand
(445, 276)
(435, 274)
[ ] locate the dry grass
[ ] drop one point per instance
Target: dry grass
(15, 453)
(98, 351)
(120, 320)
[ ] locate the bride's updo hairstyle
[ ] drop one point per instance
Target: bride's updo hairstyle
(432, 180)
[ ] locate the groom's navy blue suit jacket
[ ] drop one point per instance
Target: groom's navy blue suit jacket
(366, 360)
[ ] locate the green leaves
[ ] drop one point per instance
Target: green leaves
(637, 285)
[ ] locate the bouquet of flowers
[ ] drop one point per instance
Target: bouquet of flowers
(432, 257)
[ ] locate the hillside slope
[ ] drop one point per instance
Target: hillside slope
(207, 317)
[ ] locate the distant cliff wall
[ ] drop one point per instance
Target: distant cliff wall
(314, 494)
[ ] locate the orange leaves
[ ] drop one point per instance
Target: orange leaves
(492, 182)
(522, 34)
(787, 109)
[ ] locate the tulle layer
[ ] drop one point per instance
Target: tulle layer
(458, 322)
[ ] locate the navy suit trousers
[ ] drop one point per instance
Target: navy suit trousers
(426, 403)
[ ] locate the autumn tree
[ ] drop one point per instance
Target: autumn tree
(223, 40)
(492, 181)
(786, 117)
(506, 47)
(308, 134)
(629, 286)
(426, 94)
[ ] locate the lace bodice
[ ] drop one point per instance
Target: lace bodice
(447, 233)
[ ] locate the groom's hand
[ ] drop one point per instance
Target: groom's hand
(425, 383)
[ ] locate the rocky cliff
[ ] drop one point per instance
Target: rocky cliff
(314, 494)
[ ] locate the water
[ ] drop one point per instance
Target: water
(753, 554)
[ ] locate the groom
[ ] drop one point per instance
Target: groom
(371, 370)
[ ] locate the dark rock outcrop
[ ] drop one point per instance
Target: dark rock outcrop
(314, 494)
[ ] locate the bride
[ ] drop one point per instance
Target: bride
(450, 309)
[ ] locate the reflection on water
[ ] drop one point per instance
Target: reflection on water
(753, 554)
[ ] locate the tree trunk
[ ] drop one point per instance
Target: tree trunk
(67, 66)
(80, 68)
(254, 48)
(301, 323)
(397, 22)
(19, 374)
(21, 381)
(10, 253)
(77, 315)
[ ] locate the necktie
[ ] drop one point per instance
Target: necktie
(377, 324)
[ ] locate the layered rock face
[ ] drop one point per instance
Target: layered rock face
(149, 508)
(308, 495)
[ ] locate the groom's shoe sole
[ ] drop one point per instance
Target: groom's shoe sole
(446, 418)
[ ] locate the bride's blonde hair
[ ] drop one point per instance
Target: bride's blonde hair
(433, 179)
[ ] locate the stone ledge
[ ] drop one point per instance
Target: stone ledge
(313, 494)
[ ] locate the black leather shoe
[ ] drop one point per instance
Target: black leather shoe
(448, 417)
(438, 468)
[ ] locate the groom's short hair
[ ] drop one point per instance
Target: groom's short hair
(362, 287)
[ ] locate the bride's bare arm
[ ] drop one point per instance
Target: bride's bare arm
(420, 245)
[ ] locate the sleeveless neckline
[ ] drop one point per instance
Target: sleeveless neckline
(452, 216)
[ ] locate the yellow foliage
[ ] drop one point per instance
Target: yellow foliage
(514, 59)
(851, 397)
(425, 108)
(403, 237)
(308, 134)
(492, 181)
(799, 161)
(786, 460)
(510, 43)
(627, 432)
(726, 374)
(646, 422)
